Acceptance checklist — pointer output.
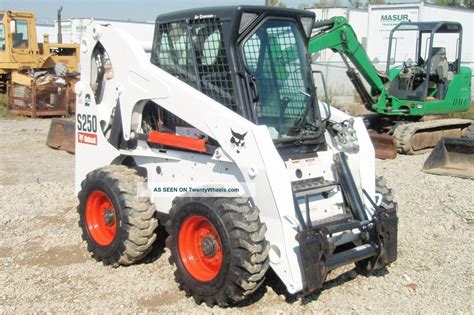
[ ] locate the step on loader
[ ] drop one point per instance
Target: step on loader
(220, 137)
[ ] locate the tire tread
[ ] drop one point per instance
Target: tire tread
(250, 250)
(138, 221)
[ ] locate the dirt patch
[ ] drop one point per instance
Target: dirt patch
(154, 302)
(51, 257)
(53, 220)
(6, 252)
(44, 266)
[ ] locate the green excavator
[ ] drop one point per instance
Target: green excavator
(428, 84)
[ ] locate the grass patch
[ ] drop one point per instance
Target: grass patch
(4, 114)
(3, 100)
(3, 106)
(463, 115)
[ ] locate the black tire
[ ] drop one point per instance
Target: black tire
(388, 198)
(388, 202)
(244, 248)
(134, 216)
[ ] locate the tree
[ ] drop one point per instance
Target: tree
(276, 3)
(303, 6)
(469, 4)
(374, 2)
(327, 4)
(355, 3)
(451, 3)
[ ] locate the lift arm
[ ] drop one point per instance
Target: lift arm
(337, 35)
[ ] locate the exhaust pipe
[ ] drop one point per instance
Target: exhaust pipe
(60, 33)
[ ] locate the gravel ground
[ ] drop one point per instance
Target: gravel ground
(44, 265)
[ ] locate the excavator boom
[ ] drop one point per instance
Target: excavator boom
(338, 35)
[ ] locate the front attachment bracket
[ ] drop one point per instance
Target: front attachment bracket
(384, 233)
(376, 249)
(314, 249)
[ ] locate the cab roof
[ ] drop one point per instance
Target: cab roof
(428, 27)
(231, 12)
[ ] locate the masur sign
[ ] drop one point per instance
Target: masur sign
(381, 22)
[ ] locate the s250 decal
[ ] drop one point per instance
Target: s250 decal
(87, 122)
(87, 129)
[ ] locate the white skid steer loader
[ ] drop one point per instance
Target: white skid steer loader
(220, 137)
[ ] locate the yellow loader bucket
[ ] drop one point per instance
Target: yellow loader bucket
(61, 135)
(452, 157)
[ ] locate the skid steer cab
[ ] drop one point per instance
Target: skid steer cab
(218, 135)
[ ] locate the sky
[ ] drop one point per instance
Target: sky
(135, 10)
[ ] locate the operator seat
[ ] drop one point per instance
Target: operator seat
(439, 65)
(17, 39)
(439, 72)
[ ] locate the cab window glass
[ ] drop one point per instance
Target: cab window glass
(175, 51)
(19, 29)
(274, 54)
(194, 52)
(2, 37)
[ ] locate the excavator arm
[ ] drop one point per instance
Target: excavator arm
(337, 34)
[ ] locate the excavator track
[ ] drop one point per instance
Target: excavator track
(420, 137)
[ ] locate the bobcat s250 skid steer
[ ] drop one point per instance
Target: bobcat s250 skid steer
(227, 99)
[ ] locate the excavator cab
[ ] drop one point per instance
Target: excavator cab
(18, 42)
(436, 59)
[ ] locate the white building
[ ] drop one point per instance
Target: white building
(73, 29)
(45, 29)
(383, 18)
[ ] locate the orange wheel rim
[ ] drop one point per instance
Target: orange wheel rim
(100, 218)
(200, 248)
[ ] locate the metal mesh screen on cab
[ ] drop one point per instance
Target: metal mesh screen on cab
(194, 52)
(272, 56)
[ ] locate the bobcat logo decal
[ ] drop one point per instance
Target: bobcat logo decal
(237, 140)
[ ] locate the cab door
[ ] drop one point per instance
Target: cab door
(21, 32)
(4, 43)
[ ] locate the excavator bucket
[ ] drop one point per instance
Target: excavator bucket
(61, 135)
(384, 145)
(452, 157)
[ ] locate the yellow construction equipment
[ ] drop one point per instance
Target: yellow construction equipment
(38, 77)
